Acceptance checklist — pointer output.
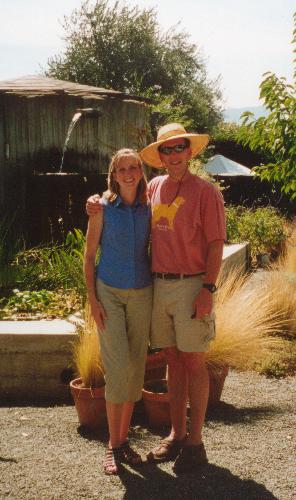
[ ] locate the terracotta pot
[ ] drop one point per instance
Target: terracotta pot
(90, 405)
(156, 366)
(263, 259)
(156, 398)
(156, 402)
(216, 379)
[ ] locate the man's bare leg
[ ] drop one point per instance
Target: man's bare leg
(178, 392)
(198, 389)
(169, 448)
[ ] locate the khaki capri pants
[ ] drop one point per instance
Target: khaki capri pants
(172, 325)
(124, 341)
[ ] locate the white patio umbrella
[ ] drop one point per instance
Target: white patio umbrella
(220, 165)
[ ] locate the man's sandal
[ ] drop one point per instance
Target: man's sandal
(190, 458)
(167, 450)
(112, 461)
(130, 456)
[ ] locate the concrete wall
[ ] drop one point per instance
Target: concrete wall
(35, 357)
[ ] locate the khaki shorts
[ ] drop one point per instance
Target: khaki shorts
(125, 339)
(173, 306)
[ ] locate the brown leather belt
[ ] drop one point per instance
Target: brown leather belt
(172, 276)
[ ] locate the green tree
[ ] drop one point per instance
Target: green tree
(124, 48)
(275, 135)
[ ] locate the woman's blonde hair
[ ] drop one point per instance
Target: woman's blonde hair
(113, 186)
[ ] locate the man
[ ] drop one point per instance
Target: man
(188, 232)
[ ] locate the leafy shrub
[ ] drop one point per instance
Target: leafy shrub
(263, 227)
(54, 267)
(39, 304)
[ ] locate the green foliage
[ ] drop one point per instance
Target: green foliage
(39, 303)
(281, 364)
(225, 132)
(28, 301)
(10, 244)
(263, 227)
(275, 135)
(48, 281)
(124, 48)
(53, 267)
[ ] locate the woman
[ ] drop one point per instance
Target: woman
(121, 296)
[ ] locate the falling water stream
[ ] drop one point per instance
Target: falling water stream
(92, 112)
(75, 119)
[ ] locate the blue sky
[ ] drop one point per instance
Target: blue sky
(239, 39)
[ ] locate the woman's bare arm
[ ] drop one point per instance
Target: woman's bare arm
(93, 236)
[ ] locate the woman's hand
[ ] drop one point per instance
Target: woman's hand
(98, 313)
(93, 205)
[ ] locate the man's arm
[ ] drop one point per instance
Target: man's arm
(204, 300)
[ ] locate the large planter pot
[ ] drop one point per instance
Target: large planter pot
(156, 402)
(156, 398)
(216, 380)
(156, 366)
(90, 405)
(263, 259)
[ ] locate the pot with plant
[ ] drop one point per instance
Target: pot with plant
(156, 402)
(156, 365)
(88, 390)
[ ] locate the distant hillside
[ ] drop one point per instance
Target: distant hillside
(234, 114)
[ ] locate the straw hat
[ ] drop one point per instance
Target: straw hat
(150, 154)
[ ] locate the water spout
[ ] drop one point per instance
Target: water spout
(89, 111)
(75, 119)
(79, 112)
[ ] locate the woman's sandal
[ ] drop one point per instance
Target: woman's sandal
(112, 461)
(130, 456)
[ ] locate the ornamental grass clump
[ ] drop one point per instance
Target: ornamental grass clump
(280, 291)
(287, 261)
(87, 356)
(245, 324)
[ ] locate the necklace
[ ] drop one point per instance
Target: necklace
(178, 190)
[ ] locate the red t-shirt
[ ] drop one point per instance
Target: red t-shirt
(182, 229)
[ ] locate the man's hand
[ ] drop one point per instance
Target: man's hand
(93, 205)
(99, 313)
(203, 303)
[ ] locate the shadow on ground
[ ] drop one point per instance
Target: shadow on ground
(210, 483)
(229, 414)
(223, 413)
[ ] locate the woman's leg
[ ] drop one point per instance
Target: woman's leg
(126, 415)
(113, 456)
(114, 416)
(138, 319)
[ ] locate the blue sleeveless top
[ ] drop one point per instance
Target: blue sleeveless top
(124, 261)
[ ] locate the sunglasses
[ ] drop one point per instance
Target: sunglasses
(167, 150)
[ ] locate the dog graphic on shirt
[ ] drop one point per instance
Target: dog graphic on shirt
(167, 212)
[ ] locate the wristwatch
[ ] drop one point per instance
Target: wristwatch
(210, 286)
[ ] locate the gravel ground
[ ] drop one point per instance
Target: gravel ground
(249, 437)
